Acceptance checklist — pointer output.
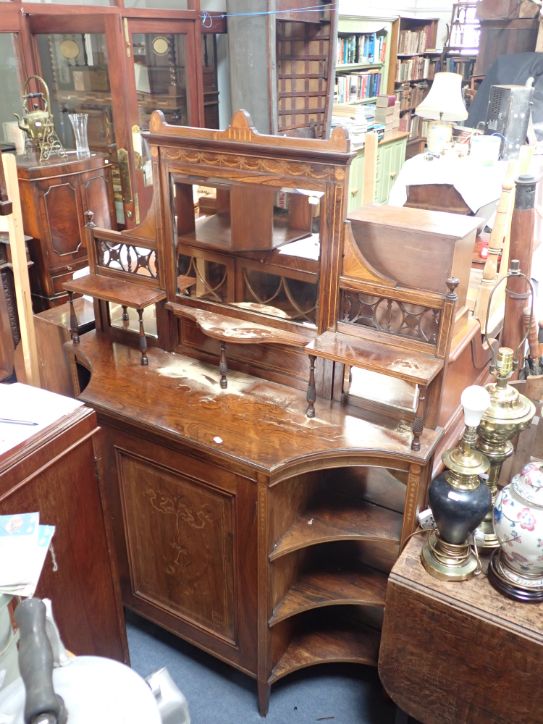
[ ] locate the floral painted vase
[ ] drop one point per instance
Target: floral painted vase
(518, 522)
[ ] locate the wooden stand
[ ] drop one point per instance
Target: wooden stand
(489, 643)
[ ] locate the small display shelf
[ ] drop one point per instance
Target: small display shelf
(347, 638)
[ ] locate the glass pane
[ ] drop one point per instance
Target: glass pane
(11, 92)
(213, 5)
(267, 263)
(72, 2)
(211, 87)
(74, 66)
(160, 72)
(157, 4)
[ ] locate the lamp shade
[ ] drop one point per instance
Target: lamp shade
(444, 101)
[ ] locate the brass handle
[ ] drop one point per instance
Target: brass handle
(126, 181)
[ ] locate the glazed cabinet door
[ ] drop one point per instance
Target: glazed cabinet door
(186, 541)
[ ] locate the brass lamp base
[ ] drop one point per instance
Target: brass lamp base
(484, 535)
(511, 584)
(448, 561)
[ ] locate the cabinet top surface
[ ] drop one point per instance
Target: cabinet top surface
(441, 223)
(475, 596)
(31, 167)
(26, 412)
(255, 422)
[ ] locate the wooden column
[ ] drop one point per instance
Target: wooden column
(521, 247)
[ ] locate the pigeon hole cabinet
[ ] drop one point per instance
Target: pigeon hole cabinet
(257, 510)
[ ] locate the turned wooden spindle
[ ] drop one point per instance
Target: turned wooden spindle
(142, 340)
(74, 324)
(311, 389)
(418, 422)
(223, 367)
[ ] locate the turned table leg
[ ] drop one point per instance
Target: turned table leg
(311, 389)
(418, 422)
(143, 340)
(125, 317)
(223, 367)
(74, 324)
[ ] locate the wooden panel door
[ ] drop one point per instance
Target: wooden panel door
(187, 545)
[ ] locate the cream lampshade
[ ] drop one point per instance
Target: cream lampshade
(443, 106)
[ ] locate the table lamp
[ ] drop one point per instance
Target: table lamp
(508, 413)
(443, 106)
(458, 498)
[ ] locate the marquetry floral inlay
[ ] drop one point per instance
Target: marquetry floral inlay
(170, 504)
(258, 165)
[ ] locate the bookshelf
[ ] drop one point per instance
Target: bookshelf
(363, 53)
(415, 64)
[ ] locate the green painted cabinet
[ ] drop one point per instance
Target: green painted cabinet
(390, 157)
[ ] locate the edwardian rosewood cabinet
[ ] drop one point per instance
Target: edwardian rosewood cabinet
(258, 504)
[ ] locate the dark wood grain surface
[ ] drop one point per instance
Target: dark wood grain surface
(54, 472)
(454, 653)
(257, 423)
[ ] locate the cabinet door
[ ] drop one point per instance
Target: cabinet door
(187, 545)
(389, 161)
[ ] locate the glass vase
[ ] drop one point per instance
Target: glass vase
(79, 125)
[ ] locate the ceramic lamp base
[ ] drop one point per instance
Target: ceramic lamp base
(448, 561)
(439, 136)
(512, 584)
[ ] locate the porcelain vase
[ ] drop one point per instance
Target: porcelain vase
(518, 522)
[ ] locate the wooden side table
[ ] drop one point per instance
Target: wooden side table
(55, 470)
(459, 652)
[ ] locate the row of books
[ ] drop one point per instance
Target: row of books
(414, 41)
(361, 48)
(417, 68)
(414, 125)
(410, 96)
(458, 64)
(357, 86)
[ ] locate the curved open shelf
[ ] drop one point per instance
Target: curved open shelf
(317, 589)
(323, 641)
(342, 520)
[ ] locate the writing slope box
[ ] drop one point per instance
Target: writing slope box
(417, 248)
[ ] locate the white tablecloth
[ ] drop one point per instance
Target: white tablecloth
(477, 184)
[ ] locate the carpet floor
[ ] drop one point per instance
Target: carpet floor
(218, 694)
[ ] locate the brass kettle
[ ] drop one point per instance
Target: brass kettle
(37, 121)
